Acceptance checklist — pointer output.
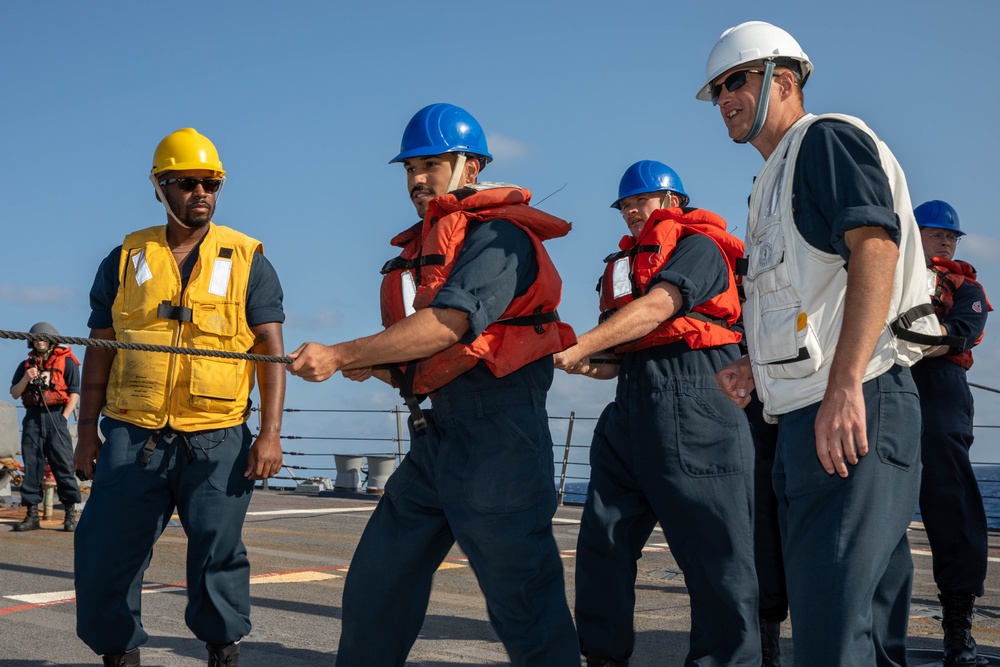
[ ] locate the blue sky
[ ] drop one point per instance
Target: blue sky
(306, 102)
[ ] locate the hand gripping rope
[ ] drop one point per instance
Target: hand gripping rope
(141, 347)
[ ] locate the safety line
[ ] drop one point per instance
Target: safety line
(141, 347)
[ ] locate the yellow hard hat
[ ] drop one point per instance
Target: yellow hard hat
(186, 149)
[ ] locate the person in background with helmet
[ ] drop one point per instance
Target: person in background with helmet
(48, 383)
(469, 308)
(836, 311)
(951, 505)
(671, 447)
(174, 426)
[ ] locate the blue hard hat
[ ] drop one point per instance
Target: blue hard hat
(649, 176)
(442, 128)
(936, 213)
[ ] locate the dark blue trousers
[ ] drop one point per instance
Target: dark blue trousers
(672, 449)
(767, 531)
(847, 558)
(131, 504)
(951, 504)
(481, 475)
(44, 435)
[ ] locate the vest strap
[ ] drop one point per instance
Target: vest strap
(168, 311)
(901, 329)
(398, 263)
(404, 380)
(632, 252)
(537, 319)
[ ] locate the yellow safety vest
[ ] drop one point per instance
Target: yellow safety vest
(188, 393)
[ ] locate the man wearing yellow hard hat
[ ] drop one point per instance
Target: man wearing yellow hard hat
(174, 425)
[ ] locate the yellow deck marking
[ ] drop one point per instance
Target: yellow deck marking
(292, 577)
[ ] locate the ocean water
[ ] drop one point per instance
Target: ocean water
(988, 476)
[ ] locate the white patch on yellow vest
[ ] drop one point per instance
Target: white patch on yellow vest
(219, 284)
(142, 272)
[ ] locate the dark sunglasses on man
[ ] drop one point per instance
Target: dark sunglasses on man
(733, 82)
(189, 184)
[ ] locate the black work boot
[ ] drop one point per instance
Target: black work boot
(30, 520)
(69, 521)
(223, 655)
(605, 662)
(130, 659)
(770, 649)
(959, 646)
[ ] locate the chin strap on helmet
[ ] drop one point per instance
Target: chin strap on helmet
(765, 95)
(456, 174)
(163, 198)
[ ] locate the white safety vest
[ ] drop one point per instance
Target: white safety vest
(795, 293)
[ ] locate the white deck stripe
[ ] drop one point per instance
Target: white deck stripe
(329, 510)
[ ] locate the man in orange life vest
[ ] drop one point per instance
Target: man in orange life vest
(950, 503)
(469, 309)
(48, 383)
(671, 447)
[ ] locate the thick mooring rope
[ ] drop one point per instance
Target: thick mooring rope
(141, 347)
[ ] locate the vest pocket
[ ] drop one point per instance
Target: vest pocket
(140, 378)
(766, 257)
(214, 379)
(786, 344)
(213, 321)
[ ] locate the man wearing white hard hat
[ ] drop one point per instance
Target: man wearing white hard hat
(836, 312)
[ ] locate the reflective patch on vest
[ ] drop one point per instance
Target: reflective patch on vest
(620, 278)
(409, 285)
(142, 272)
(219, 284)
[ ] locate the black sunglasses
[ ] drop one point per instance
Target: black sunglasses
(733, 82)
(189, 184)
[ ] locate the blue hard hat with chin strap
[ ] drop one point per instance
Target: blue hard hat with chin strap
(649, 176)
(936, 213)
(443, 128)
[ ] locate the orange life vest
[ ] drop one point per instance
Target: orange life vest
(949, 276)
(628, 273)
(55, 390)
(528, 329)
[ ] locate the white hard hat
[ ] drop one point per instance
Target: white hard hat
(749, 42)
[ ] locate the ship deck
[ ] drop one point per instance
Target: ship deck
(300, 546)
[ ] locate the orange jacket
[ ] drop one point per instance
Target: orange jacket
(55, 365)
(628, 273)
(528, 329)
(950, 275)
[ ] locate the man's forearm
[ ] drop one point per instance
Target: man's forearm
(94, 379)
(636, 319)
(426, 332)
(270, 377)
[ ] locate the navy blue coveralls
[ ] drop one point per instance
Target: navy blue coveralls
(673, 448)
(201, 476)
(951, 505)
(481, 475)
(45, 435)
(847, 558)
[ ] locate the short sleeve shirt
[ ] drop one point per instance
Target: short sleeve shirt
(839, 185)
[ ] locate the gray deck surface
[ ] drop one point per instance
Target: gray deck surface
(300, 547)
